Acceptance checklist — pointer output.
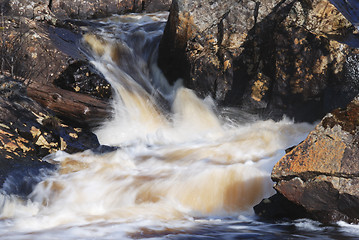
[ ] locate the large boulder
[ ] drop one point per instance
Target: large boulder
(321, 173)
(80, 9)
(28, 132)
(276, 57)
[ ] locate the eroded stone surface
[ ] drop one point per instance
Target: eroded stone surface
(277, 57)
(322, 173)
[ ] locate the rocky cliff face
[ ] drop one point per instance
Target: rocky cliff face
(276, 57)
(321, 173)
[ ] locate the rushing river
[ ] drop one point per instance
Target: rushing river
(180, 167)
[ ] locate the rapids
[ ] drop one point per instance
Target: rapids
(181, 167)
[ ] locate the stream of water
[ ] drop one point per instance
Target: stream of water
(183, 168)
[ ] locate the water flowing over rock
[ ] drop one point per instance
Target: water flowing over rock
(43, 58)
(321, 173)
(276, 57)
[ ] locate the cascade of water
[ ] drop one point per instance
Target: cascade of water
(173, 163)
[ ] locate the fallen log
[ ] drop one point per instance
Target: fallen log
(79, 109)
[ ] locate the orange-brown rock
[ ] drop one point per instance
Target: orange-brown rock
(322, 173)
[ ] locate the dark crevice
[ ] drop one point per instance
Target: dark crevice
(256, 11)
(220, 32)
(50, 4)
(143, 6)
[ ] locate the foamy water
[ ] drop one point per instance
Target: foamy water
(182, 168)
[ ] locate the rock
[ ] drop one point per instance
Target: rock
(89, 9)
(28, 52)
(321, 173)
(277, 207)
(80, 77)
(28, 132)
(275, 57)
(51, 10)
(47, 56)
(152, 6)
(31, 9)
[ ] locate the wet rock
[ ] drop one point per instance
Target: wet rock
(51, 10)
(321, 173)
(80, 77)
(349, 8)
(276, 57)
(29, 132)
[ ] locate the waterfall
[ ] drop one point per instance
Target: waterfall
(179, 158)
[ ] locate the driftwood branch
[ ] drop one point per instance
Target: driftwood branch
(80, 108)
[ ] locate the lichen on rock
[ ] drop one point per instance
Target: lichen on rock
(321, 173)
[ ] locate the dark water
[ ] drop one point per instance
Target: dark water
(253, 228)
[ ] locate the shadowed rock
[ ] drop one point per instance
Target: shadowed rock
(46, 57)
(277, 207)
(28, 132)
(275, 57)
